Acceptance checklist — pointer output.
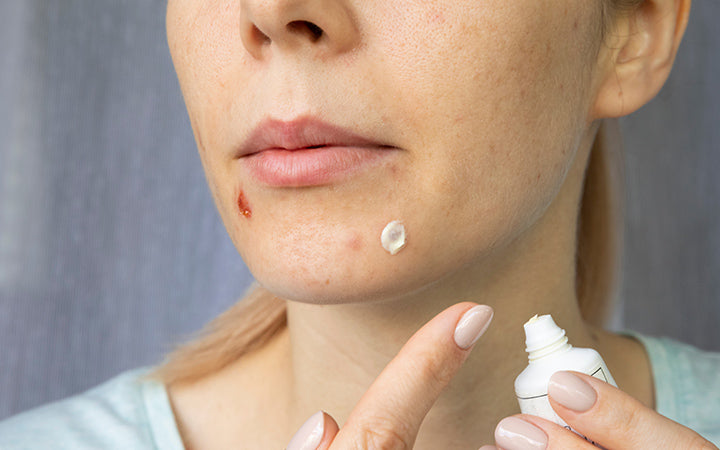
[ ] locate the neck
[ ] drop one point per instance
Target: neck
(338, 350)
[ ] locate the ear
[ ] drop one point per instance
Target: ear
(637, 56)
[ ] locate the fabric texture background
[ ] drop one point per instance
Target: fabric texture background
(110, 246)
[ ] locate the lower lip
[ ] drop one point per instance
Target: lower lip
(312, 166)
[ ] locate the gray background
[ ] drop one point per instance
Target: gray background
(110, 246)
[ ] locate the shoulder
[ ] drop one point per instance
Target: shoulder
(124, 412)
(687, 385)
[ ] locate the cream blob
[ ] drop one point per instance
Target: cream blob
(393, 237)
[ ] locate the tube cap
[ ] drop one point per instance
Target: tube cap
(541, 331)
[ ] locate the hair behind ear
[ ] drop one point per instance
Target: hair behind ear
(246, 326)
(600, 226)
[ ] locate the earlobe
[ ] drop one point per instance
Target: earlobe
(637, 56)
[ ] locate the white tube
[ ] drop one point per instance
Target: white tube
(549, 352)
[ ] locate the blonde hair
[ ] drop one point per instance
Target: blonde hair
(259, 315)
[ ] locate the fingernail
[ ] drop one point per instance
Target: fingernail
(571, 391)
(310, 434)
(472, 325)
(516, 434)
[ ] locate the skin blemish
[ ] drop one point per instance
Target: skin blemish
(436, 17)
(355, 243)
(243, 205)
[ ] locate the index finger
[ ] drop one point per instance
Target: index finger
(605, 414)
(391, 411)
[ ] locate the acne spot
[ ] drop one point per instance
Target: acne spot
(436, 17)
(243, 205)
(394, 170)
(355, 243)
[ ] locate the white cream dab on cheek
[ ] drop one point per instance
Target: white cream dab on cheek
(393, 237)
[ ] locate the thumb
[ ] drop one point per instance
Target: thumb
(317, 433)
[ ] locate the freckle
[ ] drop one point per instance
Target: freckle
(575, 25)
(327, 281)
(243, 205)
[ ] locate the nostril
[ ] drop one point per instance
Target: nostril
(313, 31)
(258, 36)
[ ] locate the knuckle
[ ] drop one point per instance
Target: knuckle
(697, 442)
(383, 435)
(631, 421)
(434, 370)
(627, 418)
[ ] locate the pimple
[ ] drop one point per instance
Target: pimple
(394, 170)
(243, 205)
(355, 243)
(435, 16)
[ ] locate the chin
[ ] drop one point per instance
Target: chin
(341, 282)
(326, 289)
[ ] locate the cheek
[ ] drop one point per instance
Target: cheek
(207, 52)
(501, 115)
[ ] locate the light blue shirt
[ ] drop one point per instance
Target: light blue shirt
(687, 384)
(123, 413)
(129, 413)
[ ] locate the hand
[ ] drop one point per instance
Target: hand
(603, 413)
(389, 414)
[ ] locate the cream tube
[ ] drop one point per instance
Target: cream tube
(548, 352)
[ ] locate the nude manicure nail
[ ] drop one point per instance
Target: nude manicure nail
(310, 434)
(472, 325)
(571, 391)
(516, 434)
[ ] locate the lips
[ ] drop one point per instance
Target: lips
(307, 152)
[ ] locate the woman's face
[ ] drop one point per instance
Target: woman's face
(459, 118)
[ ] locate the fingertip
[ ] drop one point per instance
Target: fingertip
(317, 433)
(473, 324)
(571, 391)
(331, 429)
(514, 432)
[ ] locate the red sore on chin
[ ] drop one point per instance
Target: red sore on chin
(243, 205)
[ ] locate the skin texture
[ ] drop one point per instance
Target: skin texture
(480, 167)
(491, 109)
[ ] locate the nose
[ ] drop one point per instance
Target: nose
(327, 26)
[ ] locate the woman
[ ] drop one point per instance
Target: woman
(472, 132)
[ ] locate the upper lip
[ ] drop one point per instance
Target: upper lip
(301, 133)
